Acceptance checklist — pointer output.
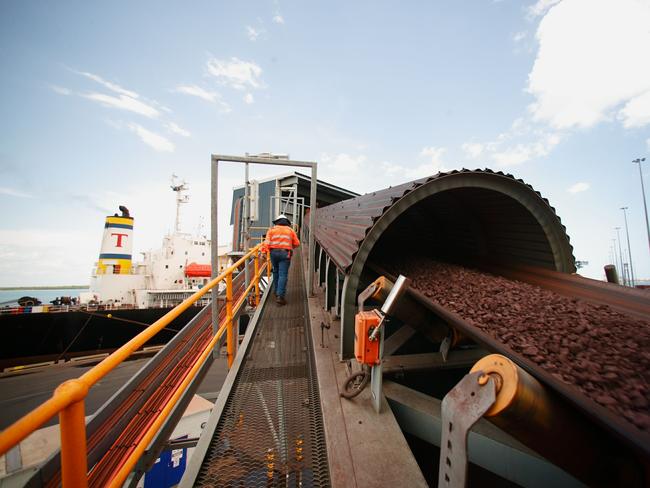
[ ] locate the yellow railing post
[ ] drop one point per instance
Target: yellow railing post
(268, 265)
(72, 424)
(257, 279)
(230, 337)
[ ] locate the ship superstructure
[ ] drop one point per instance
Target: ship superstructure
(163, 278)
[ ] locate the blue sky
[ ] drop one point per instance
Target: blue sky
(102, 103)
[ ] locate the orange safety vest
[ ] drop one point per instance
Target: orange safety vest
(281, 237)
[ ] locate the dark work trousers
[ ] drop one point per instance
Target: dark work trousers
(280, 260)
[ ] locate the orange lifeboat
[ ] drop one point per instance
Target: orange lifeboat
(195, 270)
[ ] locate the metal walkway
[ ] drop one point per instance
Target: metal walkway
(268, 430)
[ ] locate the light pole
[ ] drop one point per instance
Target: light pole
(620, 253)
(629, 249)
(645, 207)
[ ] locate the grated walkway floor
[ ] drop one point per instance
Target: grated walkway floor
(271, 431)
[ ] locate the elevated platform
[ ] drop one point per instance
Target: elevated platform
(280, 420)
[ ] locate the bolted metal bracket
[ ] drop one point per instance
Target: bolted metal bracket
(462, 407)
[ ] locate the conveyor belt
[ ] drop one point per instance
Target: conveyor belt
(481, 307)
(270, 431)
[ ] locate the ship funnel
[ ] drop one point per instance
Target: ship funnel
(117, 245)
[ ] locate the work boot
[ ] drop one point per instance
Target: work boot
(280, 301)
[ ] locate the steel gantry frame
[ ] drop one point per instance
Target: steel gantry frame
(214, 162)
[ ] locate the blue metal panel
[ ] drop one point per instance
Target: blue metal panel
(167, 470)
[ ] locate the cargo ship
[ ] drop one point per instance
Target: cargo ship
(124, 296)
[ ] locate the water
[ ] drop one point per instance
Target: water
(45, 296)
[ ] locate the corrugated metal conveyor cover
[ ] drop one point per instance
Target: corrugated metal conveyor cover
(472, 213)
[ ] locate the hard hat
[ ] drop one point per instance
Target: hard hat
(281, 217)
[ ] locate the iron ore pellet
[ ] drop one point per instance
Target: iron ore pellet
(603, 353)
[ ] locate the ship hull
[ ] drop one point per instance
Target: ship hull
(35, 337)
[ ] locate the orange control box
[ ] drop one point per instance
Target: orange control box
(365, 350)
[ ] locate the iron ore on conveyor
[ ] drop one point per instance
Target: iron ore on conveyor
(603, 353)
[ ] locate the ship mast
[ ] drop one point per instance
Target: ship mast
(180, 198)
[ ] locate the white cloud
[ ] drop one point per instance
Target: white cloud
(236, 73)
(398, 173)
(578, 187)
(590, 65)
(115, 124)
(513, 155)
(248, 98)
(636, 112)
(343, 163)
(278, 19)
(541, 7)
(123, 102)
(541, 145)
(472, 149)
(435, 155)
(356, 173)
(176, 129)
(107, 84)
(158, 142)
(60, 90)
(36, 256)
(519, 36)
(125, 99)
(208, 96)
(35, 237)
(252, 33)
(522, 142)
(402, 173)
(197, 91)
(14, 193)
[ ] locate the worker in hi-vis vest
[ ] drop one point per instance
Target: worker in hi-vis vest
(280, 241)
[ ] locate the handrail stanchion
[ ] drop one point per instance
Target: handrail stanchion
(72, 425)
(230, 340)
(268, 265)
(257, 279)
(74, 464)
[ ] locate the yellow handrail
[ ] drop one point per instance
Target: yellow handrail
(132, 460)
(68, 398)
(146, 439)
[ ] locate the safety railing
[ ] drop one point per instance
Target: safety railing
(69, 397)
